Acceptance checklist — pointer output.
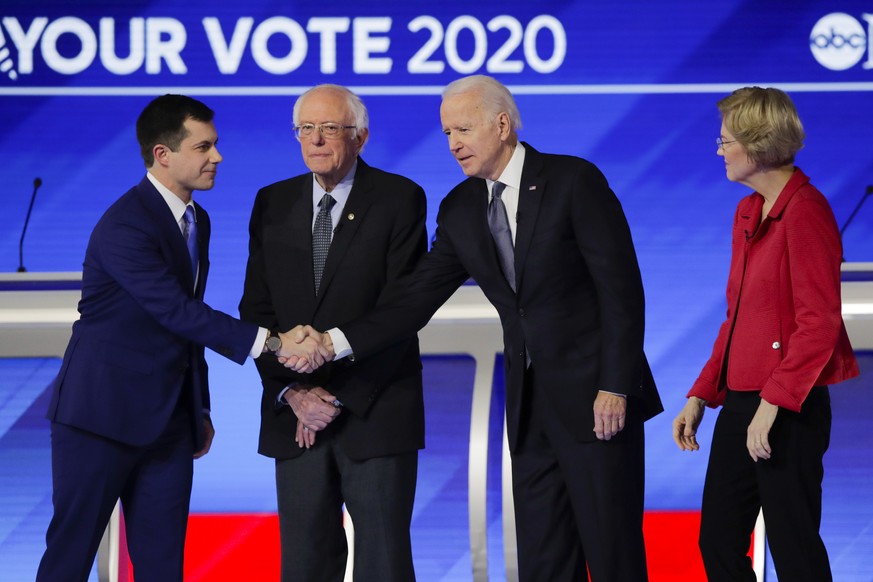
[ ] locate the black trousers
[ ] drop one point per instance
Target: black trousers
(577, 504)
(379, 495)
(787, 486)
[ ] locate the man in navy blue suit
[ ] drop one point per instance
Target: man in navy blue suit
(130, 405)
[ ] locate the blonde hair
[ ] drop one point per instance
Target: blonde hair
(765, 123)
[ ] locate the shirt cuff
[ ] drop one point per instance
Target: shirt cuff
(260, 339)
(280, 399)
(614, 393)
(341, 346)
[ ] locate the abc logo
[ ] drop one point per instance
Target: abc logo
(837, 41)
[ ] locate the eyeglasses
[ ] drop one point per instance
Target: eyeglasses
(328, 130)
(723, 142)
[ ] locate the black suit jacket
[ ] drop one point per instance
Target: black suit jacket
(579, 310)
(376, 244)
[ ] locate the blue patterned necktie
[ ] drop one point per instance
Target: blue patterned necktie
(500, 232)
(191, 238)
(321, 236)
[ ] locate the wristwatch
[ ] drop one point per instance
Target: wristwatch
(273, 343)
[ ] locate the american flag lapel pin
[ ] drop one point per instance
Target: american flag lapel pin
(532, 188)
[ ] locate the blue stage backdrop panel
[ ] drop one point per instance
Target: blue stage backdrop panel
(636, 96)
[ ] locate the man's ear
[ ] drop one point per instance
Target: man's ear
(362, 135)
(161, 154)
(504, 125)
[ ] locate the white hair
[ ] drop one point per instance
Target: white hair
(355, 105)
(494, 95)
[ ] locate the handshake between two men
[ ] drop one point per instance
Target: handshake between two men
(304, 349)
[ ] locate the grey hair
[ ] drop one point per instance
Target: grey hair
(495, 96)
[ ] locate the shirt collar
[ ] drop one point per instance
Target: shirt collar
(795, 182)
(177, 207)
(340, 193)
(511, 175)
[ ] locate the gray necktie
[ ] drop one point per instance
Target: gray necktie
(321, 235)
(191, 238)
(500, 232)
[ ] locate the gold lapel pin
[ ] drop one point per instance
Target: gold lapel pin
(351, 216)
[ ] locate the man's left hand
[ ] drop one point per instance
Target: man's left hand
(304, 437)
(210, 434)
(609, 415)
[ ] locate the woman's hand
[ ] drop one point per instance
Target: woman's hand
(685, 425)
(758, 434)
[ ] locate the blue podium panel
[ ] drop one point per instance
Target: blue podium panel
(25, 458)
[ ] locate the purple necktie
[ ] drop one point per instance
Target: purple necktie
(191, 238)
(499, 225)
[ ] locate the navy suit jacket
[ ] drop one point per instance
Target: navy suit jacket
(143, 326)
(377, 242)
(579, 309)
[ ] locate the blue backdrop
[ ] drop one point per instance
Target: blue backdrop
(630, 85)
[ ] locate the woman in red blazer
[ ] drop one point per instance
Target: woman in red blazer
(782, 343)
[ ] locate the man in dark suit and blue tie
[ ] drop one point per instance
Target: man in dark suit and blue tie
(130, 406)
(548, 243)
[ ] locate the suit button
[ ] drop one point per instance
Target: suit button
(776, 345)
(520, 354)
(521, 312)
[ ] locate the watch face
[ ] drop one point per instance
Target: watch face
(274, 343)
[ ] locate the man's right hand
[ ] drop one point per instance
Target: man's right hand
(304, 349)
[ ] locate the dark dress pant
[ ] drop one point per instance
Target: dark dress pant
(577, 504)
(90, 473)
(787, 486)
(378, 494)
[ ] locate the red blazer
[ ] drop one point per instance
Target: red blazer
(784, 331)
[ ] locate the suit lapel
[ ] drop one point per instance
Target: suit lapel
(530, 197)
(295, 230)
(750, 218)
(168, 231)
(361, 198)
(203, 233)
(479, 232)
